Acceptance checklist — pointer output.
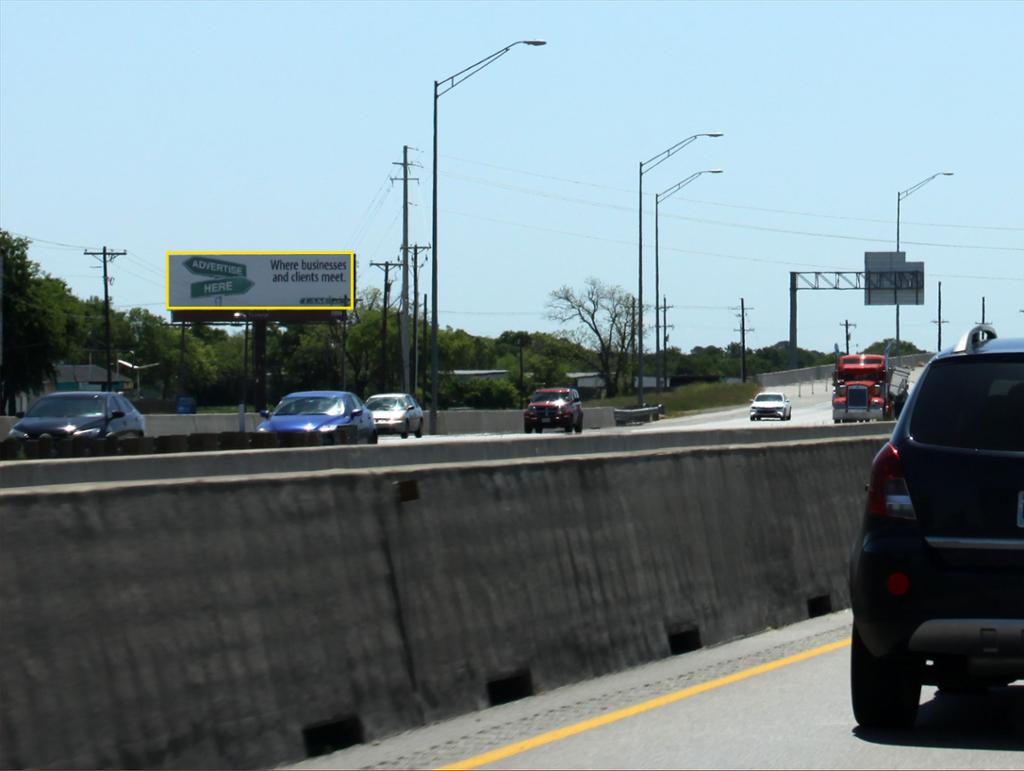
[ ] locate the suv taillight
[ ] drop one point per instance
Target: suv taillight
(888, 495)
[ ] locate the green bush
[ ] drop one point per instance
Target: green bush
(479, 394)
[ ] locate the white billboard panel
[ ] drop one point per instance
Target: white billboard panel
(253, 281)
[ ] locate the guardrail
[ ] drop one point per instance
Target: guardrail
(635, 415)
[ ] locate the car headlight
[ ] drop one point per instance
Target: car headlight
(327, 429)
(262, 429)
(16, 434)
(88, 432)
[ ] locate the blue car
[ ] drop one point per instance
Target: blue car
(322, 411)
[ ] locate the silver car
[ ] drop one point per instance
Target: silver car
(396, 414)
(771, 404)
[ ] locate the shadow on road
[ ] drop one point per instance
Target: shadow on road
(991, 720)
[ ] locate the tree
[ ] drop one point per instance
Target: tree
(904, 348)
(38, 318)
(606, 326)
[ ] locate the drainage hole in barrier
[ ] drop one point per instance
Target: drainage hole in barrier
(408, 490)
(684, 640)
(334, 735)
(511, 688)
(819, 606)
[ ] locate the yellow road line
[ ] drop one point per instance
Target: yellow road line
(613, 717)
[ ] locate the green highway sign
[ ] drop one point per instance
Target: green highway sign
(221, 286)
(206, 266)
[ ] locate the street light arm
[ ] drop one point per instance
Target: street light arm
(647, 165)
(680, 185)
(442, 87)
(924, 182)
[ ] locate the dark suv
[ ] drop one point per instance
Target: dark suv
(937, 575)
(554, 408)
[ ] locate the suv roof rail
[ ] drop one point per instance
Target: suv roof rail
(975, 338)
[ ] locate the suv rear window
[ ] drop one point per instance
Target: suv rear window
(972, 403)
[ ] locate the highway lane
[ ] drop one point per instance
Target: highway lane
(776, 700)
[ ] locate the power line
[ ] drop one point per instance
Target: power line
(729, 205)
(720, 223)
(721, 255)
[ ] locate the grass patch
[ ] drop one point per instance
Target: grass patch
(689, 398)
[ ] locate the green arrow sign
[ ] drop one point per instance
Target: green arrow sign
(205, 266)
(221, 286)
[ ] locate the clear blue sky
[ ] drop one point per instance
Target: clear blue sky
(153, 126)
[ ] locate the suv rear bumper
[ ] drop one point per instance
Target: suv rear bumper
(963, 612)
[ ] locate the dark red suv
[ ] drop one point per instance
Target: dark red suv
(554, 408)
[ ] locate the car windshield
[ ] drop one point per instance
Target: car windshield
(972, 405)
(385, 403)
(549, 396)
(311, 405)
(67, 407)
(768, 398)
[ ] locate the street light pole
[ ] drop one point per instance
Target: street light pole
(646, 166)
(899, 199)
(658, 198)
(442, 87)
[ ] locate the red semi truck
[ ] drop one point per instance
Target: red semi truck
(867, 387)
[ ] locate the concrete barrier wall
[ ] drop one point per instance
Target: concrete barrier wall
(448, 422)
(208, 622)
(29, 473)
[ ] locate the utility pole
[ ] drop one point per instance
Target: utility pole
(982, 312)
(403, 321)
(107, 256)
(940, 321)
(425, 338)
(847, 324)
(663, 361)
(742, 315)
(386, 267)
(416, 249)
(344, 352)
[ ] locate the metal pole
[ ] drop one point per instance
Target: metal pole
(181, 362)
(106, 316)
(245, 373)
(522, 393)
(743, 341)
(896, 291)
(433, 284)
(403, 328)
(792, 320)
(657, 294)
(640, 292)
(414, 382)
(344, 350)
(939, 323)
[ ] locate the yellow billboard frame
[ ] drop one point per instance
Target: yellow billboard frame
(351, 281)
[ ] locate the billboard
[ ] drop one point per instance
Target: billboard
(890, 280)
(260, 281)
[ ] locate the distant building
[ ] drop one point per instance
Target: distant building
(75, 377)
(590, 384)
(87, 377)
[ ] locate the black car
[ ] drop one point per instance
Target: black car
(67, 414)
(937, 574)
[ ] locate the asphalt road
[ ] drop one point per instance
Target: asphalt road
(776, 700)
